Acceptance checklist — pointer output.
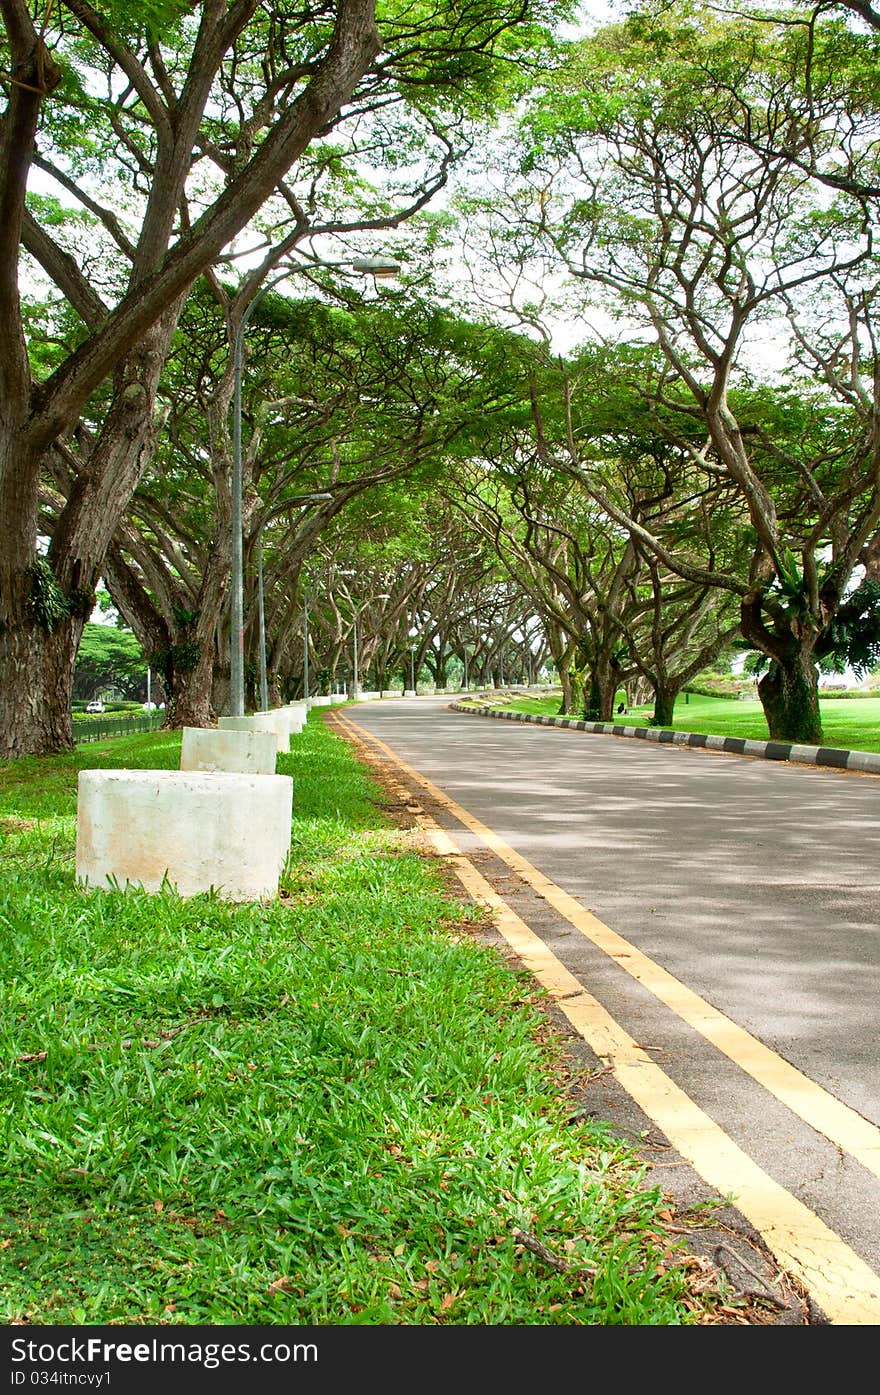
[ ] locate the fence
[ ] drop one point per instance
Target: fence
(99, 728)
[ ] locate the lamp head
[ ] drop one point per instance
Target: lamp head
(377, 266)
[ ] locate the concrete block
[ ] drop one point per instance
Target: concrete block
(863, 760)
(755, 748)
(807, 754)
(278, 717)
(244, 752)
(296, 714)
(196, 830)
(409, 692)
(259, 721)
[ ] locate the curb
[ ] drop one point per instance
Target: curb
(866, 761)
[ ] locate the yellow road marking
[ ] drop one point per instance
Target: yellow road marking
(839, 1281)
(843, 1126)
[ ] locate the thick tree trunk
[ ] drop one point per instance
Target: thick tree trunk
(789, 691)
(599, 694)
(789, 694)
(36, 682)
(188, 687)
(220, 685)
(573, 685)
(664, 705)
(565, 683)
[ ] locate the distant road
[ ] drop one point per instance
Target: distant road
(738, 911)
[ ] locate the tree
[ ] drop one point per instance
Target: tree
(195, 115)
(108, 657)
(659, 173)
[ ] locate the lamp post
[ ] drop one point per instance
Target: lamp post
(305, 643)
(264, 687)
(368, 266)
(412, 668)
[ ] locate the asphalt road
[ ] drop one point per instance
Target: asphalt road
(755, 883)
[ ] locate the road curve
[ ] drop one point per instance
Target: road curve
(722, 914)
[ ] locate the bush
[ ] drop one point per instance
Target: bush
(728, 687)
(849, 693)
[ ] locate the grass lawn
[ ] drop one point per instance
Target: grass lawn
(334, 1108)
(852, 724)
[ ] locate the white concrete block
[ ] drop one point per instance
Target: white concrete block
(259, 721)
(804, 753)
(196, 830)
(409, 692)
(296, 715)
(278, 717)
(754, 748)
(245, 752)
(863, 760)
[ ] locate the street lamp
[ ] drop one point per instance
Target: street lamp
(376, 266)
(369, 266)
(383, 596)
(305, 643)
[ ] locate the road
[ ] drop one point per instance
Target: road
(722, 914)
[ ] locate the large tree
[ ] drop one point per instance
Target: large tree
(170, 127)
(673, 168)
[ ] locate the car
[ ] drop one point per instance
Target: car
(96, 705)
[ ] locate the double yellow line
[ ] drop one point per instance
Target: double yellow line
(838, 1280)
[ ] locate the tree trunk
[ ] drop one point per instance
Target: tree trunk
(789, 694)
(664, 705)
(36, 683)
(789, 690)
(572, 681)
(599, 694)
(188, 689)
(565, 683)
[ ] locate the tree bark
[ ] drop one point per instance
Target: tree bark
(789, 691)
(664, 705)
(789, 694)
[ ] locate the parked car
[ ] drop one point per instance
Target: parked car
(96, 705)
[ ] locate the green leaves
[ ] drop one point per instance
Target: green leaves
(853, 637)
(47, 602)
(791, 581)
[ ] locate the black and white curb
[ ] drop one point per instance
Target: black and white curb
(737, 745)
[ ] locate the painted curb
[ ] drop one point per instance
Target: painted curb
(865, 761)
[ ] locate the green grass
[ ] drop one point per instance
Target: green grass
(853, 726)
(333, 1108)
